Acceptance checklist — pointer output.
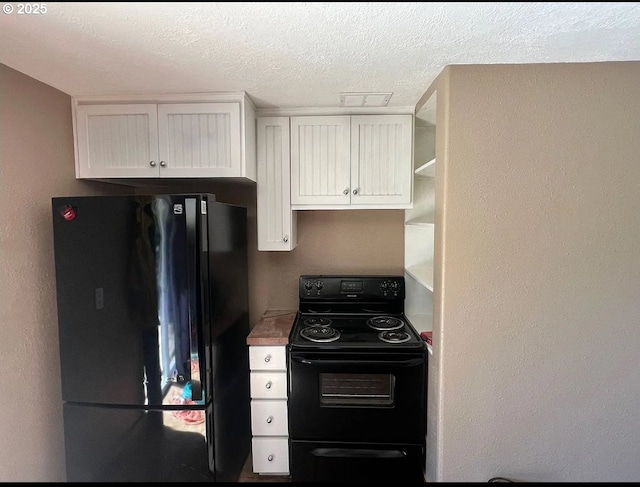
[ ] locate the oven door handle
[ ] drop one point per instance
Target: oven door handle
(357, 453)
(396, 363)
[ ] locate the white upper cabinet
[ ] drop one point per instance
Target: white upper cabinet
(165, 140)
(276, 220)
(351, 162)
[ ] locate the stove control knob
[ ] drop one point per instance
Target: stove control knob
(384, 286)
(319, 285)
(308, 285)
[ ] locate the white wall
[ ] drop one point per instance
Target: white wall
(538, 235)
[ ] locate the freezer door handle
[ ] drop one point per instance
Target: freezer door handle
(191, 208)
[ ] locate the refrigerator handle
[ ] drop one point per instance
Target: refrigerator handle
(191, 208)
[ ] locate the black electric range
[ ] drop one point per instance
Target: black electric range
(357, 383)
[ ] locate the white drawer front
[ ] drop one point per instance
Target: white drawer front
(270, 455)
(267, 358)
(269, 385)
(269, 418)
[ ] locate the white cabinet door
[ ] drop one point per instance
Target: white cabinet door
(268, 385)
(268, 357)
(381, 168)
(277, 223)
(320, 160)
(270, 455)
(117, 141)
(269, 418)
(199, 140)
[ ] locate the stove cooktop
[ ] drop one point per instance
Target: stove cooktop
(347, 312)
(366, 332)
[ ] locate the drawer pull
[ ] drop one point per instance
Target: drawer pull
(270, 419)
(267, 358)
(268, 385)
(270, 458)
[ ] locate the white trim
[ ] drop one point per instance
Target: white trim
(164, 98)
(292, 112)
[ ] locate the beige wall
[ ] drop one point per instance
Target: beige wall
(539, 289)
(36, 163)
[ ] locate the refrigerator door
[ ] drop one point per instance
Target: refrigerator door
(229, 316)
(107, 444)
(130, 282)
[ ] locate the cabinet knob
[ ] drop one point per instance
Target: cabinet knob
(346, 191)
(355, 191)
(267, 358)
(270, 458)
(162, 163)
(285, 239)
(270, 419)
(152, 163)
(268, 385)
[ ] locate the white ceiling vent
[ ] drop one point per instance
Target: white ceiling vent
(364, 99)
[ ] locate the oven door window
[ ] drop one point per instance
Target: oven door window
(345, 389)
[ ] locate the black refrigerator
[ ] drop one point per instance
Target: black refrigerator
(152, 297)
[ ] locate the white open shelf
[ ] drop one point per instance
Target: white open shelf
(423, 274)
(421, 221)
(419, 229)
(427, 170)
(421, 321)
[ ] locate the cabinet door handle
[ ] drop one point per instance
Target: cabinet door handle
(270, 419)
(268, 385)
(270, 458)
(162, 163)
(355, 191)
(152, 163)
(346, 191)
(285, 239)
(267, 358)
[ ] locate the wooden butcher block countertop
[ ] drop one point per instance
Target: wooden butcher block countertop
(273, 328)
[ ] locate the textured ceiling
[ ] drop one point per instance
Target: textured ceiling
(298, 54)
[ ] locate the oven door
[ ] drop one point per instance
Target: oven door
(358, 397)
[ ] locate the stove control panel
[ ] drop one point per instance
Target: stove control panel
(351, 288)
